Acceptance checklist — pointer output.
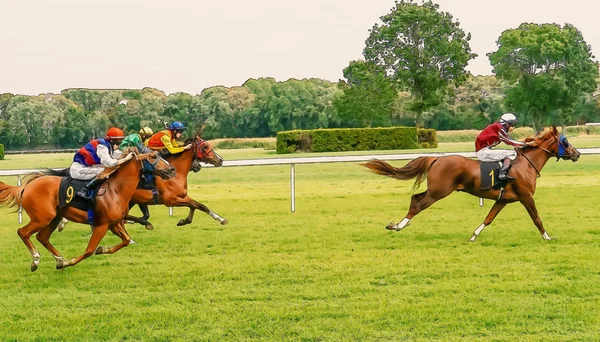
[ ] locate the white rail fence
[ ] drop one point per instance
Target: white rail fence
(299, 160)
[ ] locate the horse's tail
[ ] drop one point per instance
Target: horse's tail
(11, 195)
(416, 168)
(46, 172)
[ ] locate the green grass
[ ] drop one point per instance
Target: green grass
(328, 272)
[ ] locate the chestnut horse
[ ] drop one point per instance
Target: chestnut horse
(173, 192)
(39, 197)
(455, 173)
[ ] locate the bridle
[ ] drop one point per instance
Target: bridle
(558, 155)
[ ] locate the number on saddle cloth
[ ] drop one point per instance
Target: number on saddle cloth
(67, 196)
(489, 174)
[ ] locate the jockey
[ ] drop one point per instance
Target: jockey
(168, 139)
(491, 136)
(94, 157)
(138, 140)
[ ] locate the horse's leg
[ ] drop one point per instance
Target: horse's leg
(97, 235)
(43, 236)
(118, 230)
(62, 224)
(25, 235)
(195, 205)
(496, 208)
(420, 202)
(529, 204)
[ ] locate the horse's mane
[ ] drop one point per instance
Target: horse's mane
(45, 172)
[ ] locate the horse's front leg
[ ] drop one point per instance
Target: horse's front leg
(496, 208)
(118, 230)
(529, 204)
(97, 235)
(194, 205)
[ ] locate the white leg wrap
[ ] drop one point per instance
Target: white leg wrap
(402, 224)
(546, 236)
(477, 232)
(216, 216)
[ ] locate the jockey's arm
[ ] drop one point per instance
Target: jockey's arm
(172, 147)
(105, 158)
(505, 138)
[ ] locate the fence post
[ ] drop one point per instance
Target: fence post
(20, 206)
(170, 211)
(293, 186)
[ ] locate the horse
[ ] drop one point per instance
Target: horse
(456, 173)
(39, 197)
(173, 192)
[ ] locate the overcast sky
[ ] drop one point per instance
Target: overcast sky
(176, 45)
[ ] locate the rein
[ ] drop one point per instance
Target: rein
(542, 148)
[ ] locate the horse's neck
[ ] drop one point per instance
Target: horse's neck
(538, 157)
(183, 163)
(126, 177)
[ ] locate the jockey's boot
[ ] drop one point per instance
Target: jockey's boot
(503, 174)
(85, 192)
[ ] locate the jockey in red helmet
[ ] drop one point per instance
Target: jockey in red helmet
(96, 156)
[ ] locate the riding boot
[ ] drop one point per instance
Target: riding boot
(503, 174)
(85, 192)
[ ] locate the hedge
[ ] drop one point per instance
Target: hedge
(354, 139)
(1, 152)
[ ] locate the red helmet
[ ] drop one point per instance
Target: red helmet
(115, 133)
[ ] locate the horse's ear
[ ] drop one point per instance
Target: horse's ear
(555, 130)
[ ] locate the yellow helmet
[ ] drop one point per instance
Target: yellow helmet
(147, 131)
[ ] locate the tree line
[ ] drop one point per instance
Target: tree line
(413, 74)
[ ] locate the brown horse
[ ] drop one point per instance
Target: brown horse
(39, 196)
(455, 173)
(173, 192)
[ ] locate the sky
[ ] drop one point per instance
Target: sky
(177, 45)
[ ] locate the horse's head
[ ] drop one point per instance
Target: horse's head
(203, 152)
(555, 143)
(153, 163)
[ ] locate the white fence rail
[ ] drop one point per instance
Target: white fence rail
(301, 160)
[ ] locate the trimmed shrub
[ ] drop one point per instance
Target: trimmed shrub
(427, 137)
(354, 139)
(265, 143)
(1, 152)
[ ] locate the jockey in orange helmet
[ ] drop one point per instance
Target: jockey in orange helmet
(94, 157)
(168, 139)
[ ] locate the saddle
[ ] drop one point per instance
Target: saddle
(67, 197)
(489, 175)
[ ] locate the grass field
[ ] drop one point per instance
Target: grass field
(329, 272)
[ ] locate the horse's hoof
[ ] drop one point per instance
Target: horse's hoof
(149, 226)
(34, 267)
(99, 250)
(472, 239)
(60, 264)
(224, 222)
(182, 222)
(390, 226)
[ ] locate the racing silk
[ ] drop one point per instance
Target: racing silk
(164, 139)
(492, 135)
(96, 152)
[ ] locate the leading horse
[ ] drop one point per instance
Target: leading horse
(39, 197)
(456, 173)
(173, 192)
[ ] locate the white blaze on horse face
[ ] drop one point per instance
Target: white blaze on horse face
(402, 224)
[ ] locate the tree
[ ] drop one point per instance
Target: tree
(550, 68)
(368, 96)
(422, 50)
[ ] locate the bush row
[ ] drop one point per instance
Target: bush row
(354, 139)
(1, 152)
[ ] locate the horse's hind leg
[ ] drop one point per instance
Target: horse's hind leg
(496, 208)
(43, 236)
(418, 203)
(25, 235)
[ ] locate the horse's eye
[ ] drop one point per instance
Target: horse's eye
(205, 147)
